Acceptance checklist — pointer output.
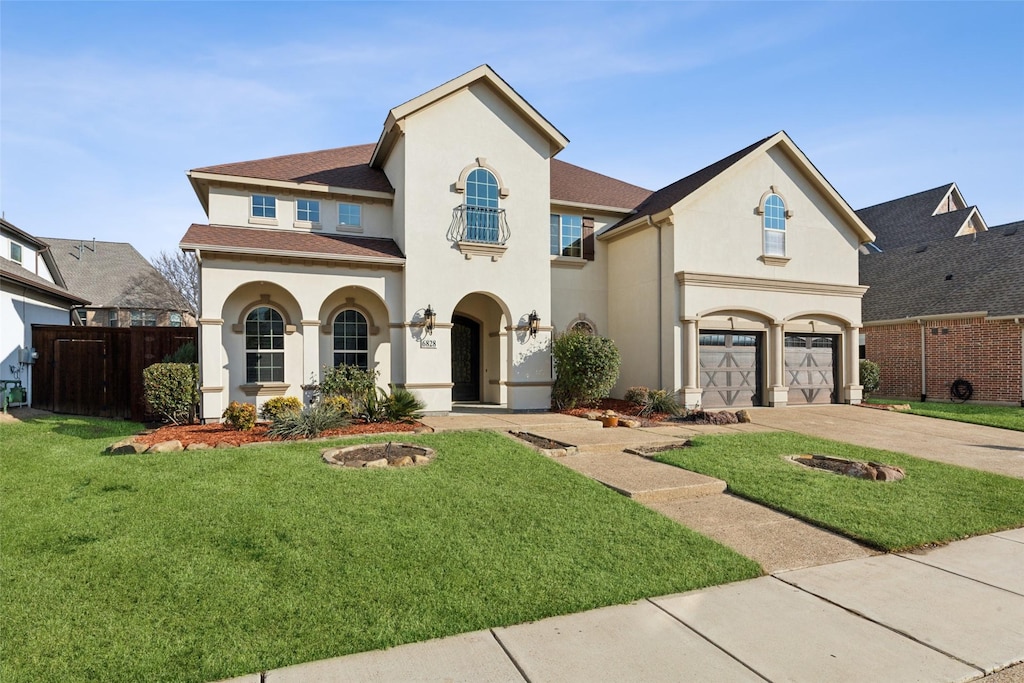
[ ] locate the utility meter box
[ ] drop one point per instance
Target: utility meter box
(27, 356)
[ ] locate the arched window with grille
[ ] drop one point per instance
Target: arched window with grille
(351, 339)
(264, 346)
(482, 213)
(774, 226)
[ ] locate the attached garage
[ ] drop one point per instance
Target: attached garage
(731, 369)
(811, 361)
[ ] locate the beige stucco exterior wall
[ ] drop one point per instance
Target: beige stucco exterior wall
(633, 307)
(579, 288)
(439, 143)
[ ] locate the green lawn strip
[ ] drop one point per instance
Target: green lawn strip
(1006, 417)
(209, 564)
(935, 503)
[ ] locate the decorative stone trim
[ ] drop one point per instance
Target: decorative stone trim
(350, 304)
(568, 262)
(425, 385)
(690, 279)
(764, 197)
(211, 390)
(774, 260)
(471, 249)
(239, 327)
(481, 162)
(265, 389)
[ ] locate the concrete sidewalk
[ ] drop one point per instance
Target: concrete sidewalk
(949, 614)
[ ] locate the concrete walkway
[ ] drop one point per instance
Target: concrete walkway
(958, 443)
(949, 614)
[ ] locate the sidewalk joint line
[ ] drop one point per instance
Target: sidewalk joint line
(962, 576)
(710, 642)
(509, 655)
(895, 630)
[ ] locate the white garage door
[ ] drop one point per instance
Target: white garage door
(811, 368)
(730, 369)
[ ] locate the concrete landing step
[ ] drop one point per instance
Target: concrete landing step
(777, 541)
(641, 479)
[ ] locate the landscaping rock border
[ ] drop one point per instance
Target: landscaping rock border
(421, 455)
(544, 445)
(873, 471)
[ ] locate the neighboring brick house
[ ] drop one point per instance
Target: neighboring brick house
(125, 289)
(946, 310)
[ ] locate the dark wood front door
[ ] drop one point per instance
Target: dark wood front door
(465, 359)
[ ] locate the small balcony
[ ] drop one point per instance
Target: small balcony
(479, 231)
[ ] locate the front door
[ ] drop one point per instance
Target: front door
(465, 359)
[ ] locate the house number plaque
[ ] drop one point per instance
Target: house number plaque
(428, 343)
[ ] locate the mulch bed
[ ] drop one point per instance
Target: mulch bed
(624, 408)
(214, 434)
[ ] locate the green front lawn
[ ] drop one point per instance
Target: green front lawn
(1007, 417)
(935, 503)
(199, 566)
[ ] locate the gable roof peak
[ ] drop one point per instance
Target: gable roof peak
(483, 73)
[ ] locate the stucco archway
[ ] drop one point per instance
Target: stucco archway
(479, 354)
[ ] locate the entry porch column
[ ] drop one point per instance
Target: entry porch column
(853, 392)
(691, 392)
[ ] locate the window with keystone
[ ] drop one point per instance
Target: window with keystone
(264, 346)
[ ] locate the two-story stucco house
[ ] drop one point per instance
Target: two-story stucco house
(448, 254)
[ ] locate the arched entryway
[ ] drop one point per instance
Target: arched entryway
(479, 349)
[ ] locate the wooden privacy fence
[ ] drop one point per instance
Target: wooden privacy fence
(98, 370)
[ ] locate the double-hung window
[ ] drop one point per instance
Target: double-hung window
(307, 210)
(143, 319)
(350, 215)
(264, 346)
(774, 226)
(566, 235)
(351, 340)
(264, 206)
(15, 252)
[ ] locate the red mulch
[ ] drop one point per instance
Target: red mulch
(214, 434)
(621, 408)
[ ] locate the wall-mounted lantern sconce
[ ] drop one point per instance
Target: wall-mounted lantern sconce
(534, 323)
(429, 318)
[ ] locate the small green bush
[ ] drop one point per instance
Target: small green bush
(637, 395)
(660, 401)
(403, 406)
(587, 368)
(186, 353)
(349, 381)
(339, 403)
(309, 422)
(240, 416)
(171, 390)
(870, 376)
(279, 405)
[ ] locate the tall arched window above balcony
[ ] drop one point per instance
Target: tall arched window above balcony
(482, 211)
(774, 226)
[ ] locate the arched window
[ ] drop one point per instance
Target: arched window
(774, 226)
(582, 327)
(482, 216)
(351, 340)
(264, 346)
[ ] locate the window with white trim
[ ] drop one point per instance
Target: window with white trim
(307, 210)
(15, 252)
(566, 235)
(350, 215)
(264, 206)
(351, 339)
(482, 214)
(774, 224)
(175, 319)
(264, 346)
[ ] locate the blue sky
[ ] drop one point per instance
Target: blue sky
(105, 106)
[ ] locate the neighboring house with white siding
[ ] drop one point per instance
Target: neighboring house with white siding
(424, 256)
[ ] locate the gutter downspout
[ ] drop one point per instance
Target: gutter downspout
(924, 377)
(661, 321)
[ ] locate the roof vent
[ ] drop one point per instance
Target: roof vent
(949, 277)
(921, 249)
(1011, 231)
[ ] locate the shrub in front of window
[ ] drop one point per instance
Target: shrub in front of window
(309, 422)
(339, 402)
(278, 406)
(637, 395)
(586, 368)
(349, 381)
(240, 416)
(870, 377)
(171, 390)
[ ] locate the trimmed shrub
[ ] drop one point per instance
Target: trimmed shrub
(637, 395)
(278, 406)
(240, 416)
(403, 406)
(339, 403)
(309, 422)
(349, 381)
(870, 376)
(660, 401)
(171, 390)
(587, 367)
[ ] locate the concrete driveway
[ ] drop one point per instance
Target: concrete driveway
(958, 443)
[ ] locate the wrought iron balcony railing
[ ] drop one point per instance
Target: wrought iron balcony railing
(478, 224)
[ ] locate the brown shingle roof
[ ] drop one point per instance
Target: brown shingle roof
(222, 237)
(349, 167)
(339, 167)
(571, 183)
(9, 270)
